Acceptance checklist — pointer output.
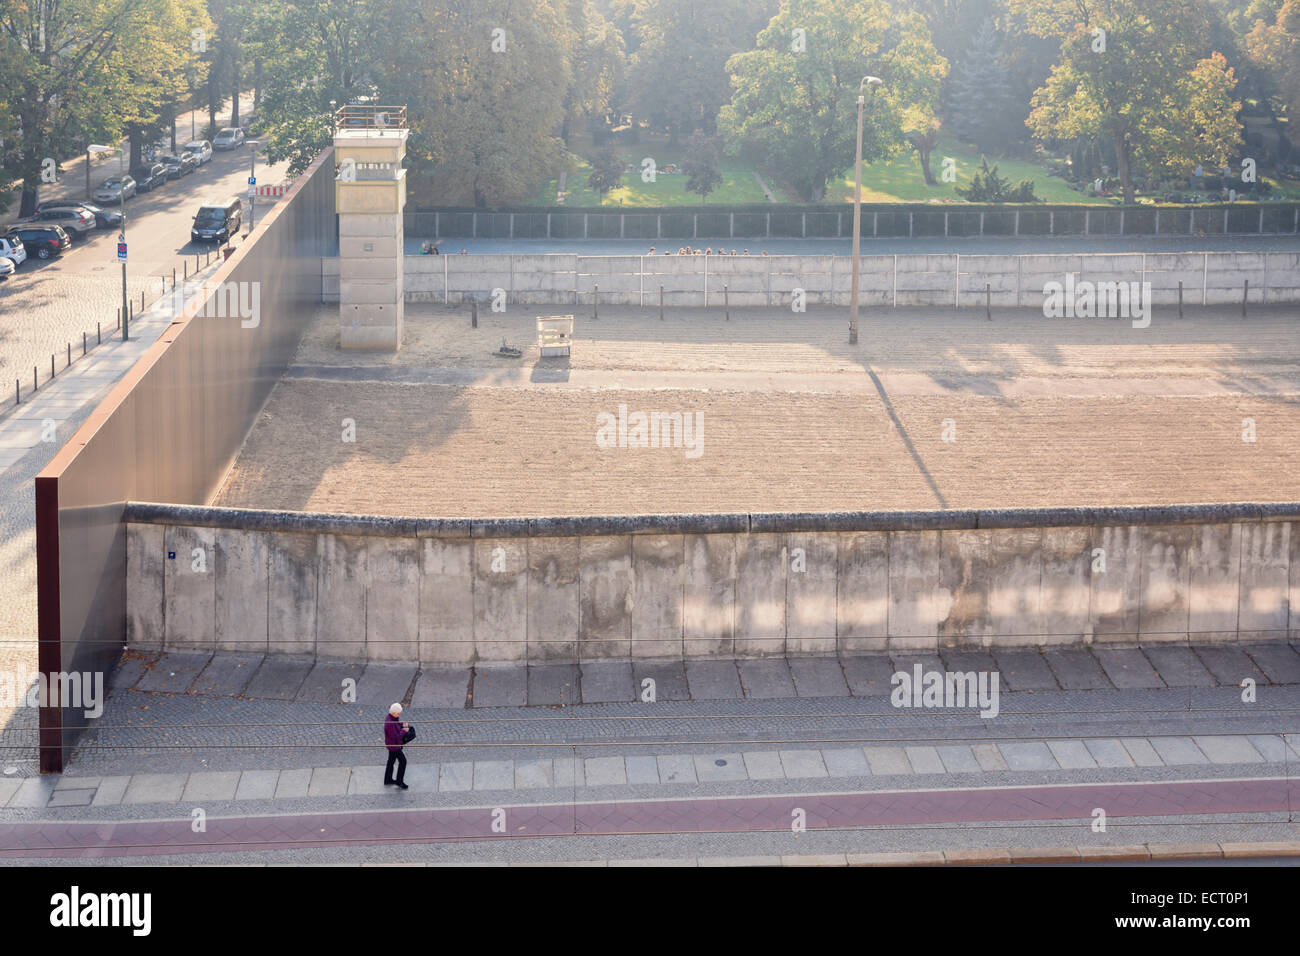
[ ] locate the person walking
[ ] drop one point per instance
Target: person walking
(393, 731)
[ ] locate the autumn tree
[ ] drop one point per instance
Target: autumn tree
(1129, 73)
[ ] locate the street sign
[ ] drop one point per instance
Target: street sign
(252, 180)
(121, 251)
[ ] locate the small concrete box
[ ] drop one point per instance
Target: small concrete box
(554, 333)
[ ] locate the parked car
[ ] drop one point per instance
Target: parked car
(74, 219)
(104, 218)
(229, 138)
(7, 268)
(178, 166)
(149, 177)
(217, 221)
(42, 241)
(113, 191)
(12, 250)
(200, 149)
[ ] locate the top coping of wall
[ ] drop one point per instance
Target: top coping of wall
(759, 522)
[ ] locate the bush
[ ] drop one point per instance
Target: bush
(987, 186)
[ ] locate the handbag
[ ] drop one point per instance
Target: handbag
(409, 735)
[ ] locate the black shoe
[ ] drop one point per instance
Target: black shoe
(388, 783)
(404, 786)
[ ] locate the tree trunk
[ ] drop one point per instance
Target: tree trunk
(27, 205)
(136, 139)
(212, 98)
(234, 90)
(171, 115)
(1125, 172)
(923, 154)
(257, 84)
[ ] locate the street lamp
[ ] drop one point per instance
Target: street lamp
(252, 181)
(873, 82)
(121, 192)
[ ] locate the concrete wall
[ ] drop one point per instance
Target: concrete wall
(1210, 278)
(706, 586)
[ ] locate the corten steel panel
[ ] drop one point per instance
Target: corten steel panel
(169, 431)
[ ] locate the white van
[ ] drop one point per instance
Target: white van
(12, 248)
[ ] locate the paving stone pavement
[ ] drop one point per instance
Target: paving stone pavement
(552, 685)
(498, 776)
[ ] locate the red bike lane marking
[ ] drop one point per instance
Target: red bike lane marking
(700, 815)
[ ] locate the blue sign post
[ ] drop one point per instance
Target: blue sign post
(121, 251)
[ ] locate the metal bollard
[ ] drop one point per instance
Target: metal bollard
(69, 353)
(1245, 297)
(83, 343)
(99, 334)
(661, 303)
(726, 301)
(988, 301)
(173, 279)
(1180, 298)
(595, 302)
(51, 365)
(473, 313)
(142, 300)
(186, 267)
(18, 393)
(35, 385)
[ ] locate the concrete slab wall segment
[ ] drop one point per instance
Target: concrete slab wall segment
(447, 601)
(916, 280)
(145, 566)
(561, 598)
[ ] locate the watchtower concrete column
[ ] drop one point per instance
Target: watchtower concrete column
(370, 193)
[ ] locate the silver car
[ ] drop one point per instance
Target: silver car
(74, 219)
(111, 190)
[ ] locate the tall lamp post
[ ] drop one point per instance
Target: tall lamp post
(873, 82)
(252, 182)
(92, 148)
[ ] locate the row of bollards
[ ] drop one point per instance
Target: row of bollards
(99, 326)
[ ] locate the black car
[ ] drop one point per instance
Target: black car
(179, 165)
(104, 218)
(149, 177)
(43, 242)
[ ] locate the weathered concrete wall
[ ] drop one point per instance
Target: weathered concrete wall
(1209, 278)
(707, 586)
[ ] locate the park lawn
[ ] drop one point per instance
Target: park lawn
(900, 179)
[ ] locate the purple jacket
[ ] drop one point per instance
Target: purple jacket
(393, 733)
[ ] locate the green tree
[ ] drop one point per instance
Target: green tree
(678, 77)
(1129, 73)
(606, 171)
(980, 106)
(701, 164)
(78, 70)
(796, 112)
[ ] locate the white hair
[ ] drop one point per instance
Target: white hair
(395, 709)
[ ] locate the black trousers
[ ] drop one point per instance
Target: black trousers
(399, 758)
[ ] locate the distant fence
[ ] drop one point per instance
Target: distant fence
(822, 222)
(1209, 278)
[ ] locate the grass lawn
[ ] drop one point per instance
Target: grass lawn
(901, 180)
(669, 189)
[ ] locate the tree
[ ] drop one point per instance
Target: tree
(701, 165)
(987, 186)
(980, 107)
(796, 112)
(1275, 49)
(313, 51)
(606, 171)
(1129, 73)
(78, 70)
(678, 77)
